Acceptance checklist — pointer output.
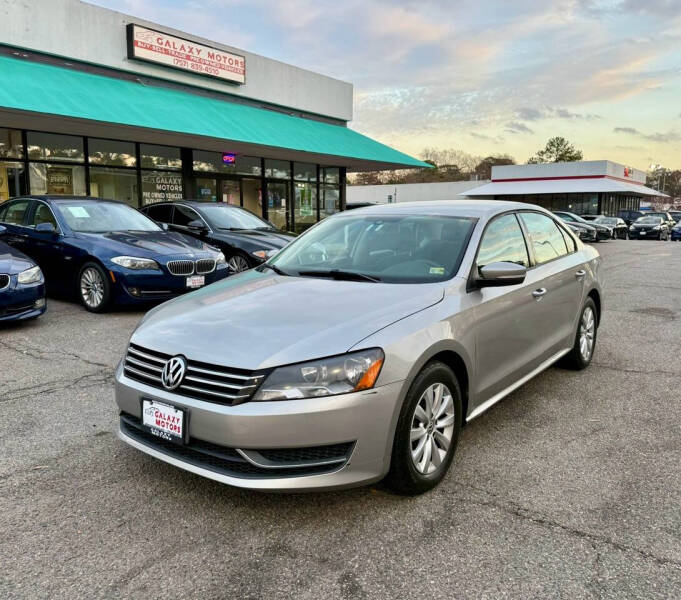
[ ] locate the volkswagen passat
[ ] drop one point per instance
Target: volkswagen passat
(359, 351)
(106, 252)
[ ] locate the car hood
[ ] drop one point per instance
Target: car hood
(256, 320)
(12, 261)
(264, 239)
(148, 244)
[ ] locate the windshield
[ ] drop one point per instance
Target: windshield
(606, 220)
(649, 220)
(103, 217)
(221, 216)
(389, 249)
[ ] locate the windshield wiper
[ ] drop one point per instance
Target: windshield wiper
(231, 228)
(276, 269)
(341, 275)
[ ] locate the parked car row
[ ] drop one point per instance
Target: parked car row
(650, 225)
(107, 253)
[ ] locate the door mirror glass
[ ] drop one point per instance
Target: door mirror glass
(501, 273)
(45, 228)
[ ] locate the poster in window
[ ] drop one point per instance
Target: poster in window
(59, 181)
(161, 187)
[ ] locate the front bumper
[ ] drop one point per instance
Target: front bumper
(131, 287)
(364, 421)
(22, 302)
(644, 234)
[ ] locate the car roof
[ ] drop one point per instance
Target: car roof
(457, 208)
(59, 199)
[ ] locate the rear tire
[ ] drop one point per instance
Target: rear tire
(585, 339)
(427, 431)
(94, 289)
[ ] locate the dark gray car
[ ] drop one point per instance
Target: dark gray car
(359, 351)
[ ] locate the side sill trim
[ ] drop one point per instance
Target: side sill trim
(514, 386)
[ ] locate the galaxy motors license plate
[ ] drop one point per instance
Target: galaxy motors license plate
(196, 281)
(163, 420)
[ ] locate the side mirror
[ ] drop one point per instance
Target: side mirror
(45, 228)
(163, 226)
(3, 230)
(501, 273)
(197, 226)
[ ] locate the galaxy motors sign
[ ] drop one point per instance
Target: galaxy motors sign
(170, 51)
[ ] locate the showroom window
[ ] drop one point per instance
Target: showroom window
(114, 184)
(12, 179)
(57, 179)
(10, 143)
(212, 162)
(54, 147)
(305, 206)
(330, 192)
(278, 169)
(160, 157)
(111, 153)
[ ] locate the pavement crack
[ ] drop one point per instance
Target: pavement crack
(45, 355)
(514, 509)
(84, 381)
(635, 371)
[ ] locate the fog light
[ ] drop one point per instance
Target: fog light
(39, 303)
(134, 291)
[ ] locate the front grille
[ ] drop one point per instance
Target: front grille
(204, 381)
(4, 281)
(181, 267)
(228, 461)
(205, 265)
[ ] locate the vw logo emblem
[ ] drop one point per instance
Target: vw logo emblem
(173, 372)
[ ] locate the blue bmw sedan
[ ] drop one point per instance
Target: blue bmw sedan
(106, 252)
(22, 286)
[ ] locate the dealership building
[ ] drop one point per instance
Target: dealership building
(591, 187)
(95, 102)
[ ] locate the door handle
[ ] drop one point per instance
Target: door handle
(539, 294)
(580, 274)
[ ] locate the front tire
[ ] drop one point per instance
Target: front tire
(427, 431)
(238, 262)
(94, 290)
(585, 339)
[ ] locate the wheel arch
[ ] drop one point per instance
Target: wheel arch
(595, 295)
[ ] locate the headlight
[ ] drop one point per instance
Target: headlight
(342, 374)
(656, 228)
(220, 259)
(132, 262)
(264, 254)
(632, 228)
(32, 275)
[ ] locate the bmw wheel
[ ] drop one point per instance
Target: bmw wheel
(238, 263)
(427, 431)
(93, 287)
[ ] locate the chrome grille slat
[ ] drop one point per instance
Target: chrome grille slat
(205, 266)
(147, 356)
(181, 267)
(211, 385)
(216, 383)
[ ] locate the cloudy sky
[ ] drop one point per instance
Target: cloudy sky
(487, 76)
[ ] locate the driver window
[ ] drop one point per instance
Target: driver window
(183, 216)
(42, 214)
(503, 241)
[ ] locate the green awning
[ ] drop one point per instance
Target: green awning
(39, 88)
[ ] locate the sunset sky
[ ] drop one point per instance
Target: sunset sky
(485, 77)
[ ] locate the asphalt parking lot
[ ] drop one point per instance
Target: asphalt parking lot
(569, 488)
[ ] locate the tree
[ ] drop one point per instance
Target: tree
(557, 149)
(484, 168)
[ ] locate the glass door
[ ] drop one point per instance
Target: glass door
(231, 191)
(278, 204)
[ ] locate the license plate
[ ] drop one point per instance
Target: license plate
(196, 281)
(164, 421)
(642, 233)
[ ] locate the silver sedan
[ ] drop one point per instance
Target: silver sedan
(359, 351)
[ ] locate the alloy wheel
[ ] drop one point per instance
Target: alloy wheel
(238, 263)
(432, 428)
(587, 330)
(92, 287)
